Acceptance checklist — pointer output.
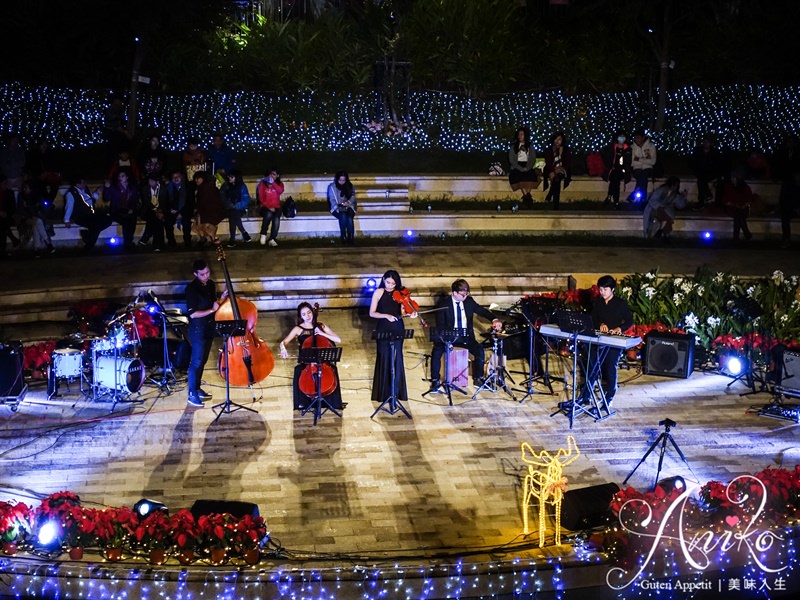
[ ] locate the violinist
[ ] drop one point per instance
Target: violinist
(389, 313)
(307, 327)
(457, 311)
(201, 304)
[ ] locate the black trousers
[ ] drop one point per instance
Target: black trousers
(475, 349)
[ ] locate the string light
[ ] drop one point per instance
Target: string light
(741, 116)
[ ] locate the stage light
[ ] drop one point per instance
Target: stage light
(144, 507)
(409, 233)
(430, 208)
(499, 208)
(672, 483)
(372, 283)
(707, 236)
(732, 364)
(48, 534)
(637, 195)
(442, 236)
(114, 241)
(515, 208)
(152, 309)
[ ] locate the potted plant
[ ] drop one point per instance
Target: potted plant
(153, 534)
(248, 533)
(15, 525)
(114, 528)
(79, 525)
(36, 358)
(216, 533)
(185, 535)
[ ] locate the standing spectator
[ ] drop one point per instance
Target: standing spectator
(154, 209)
(644, 156)
(521, 156)
(124, 160)
(194, 159)
(181, 210)
(621, 159)
(737, 199)
(557, 168)
(660, 209)
(708, 166)
(342, 200)
(235, 199)
(787, 169)
(79, 208)
(12, 162)
(757, 166)
(114, 126)
(221, 156)
(153, 158)
(208, 211)
(268, 193)
(122, 196)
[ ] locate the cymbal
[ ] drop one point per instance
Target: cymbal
(130, 308)
(500, 334)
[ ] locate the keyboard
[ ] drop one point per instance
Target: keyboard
(623, 342)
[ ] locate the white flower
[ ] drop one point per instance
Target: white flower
(686, 287)
(777, 276)
(649, 291)
(751, 290)
(719, 277)
(700, 290)
(713, 321)
(678, 281)
(649, 275)
(732, 288)
(677, 299)
(626, 291)
(691, 321)
(784, 319)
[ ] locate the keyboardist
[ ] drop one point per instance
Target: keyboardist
(610, 314)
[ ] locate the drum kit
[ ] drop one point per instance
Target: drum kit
(107, 367)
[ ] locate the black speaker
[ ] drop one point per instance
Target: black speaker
(586, 508)
(232, 507)
(11, 376)
(151, 352)
(790, 376)
(669, 354)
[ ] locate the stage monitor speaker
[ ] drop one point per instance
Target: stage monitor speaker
(669, 354)
(586, 508)
(11, 375)
(232, 507)
(790, 378)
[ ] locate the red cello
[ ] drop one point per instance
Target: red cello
(249, 358)
(327, 374)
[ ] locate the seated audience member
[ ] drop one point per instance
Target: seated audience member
(644, 155)
(79, 208)
(122, 196)
(557, 168)
(208, 211)
(659, 213)
(31, 215)
(153, 157)
(521, 156)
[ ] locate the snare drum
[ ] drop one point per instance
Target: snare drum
(103, 344)
(124, 374)
(67, 362)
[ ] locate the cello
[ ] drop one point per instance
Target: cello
(249, 358)
(328, 382)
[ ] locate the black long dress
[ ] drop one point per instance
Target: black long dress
(382, 379)
(300, 399)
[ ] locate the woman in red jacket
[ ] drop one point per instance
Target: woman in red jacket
(268, 192)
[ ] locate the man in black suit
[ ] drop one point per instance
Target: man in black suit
(457, 311)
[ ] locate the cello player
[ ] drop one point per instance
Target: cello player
(307, 326)
(201, 304)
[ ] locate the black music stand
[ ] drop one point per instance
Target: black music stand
(662, 439)
(497, 376)
(317, 356)
(448, 337)
(394, 403)
(531, 310)
(167, 374)
(587, 402)
(229, 329)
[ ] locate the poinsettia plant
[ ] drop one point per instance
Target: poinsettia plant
(37, 356)
(248, 533)
(15, 521)
(217, 530)
(185, 531)
(154, 531)
(146, 325)
(114, 527)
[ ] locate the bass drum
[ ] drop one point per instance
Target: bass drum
(124, 374)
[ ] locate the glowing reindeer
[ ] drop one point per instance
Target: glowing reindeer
(546, 482)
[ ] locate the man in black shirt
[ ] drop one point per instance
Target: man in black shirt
(201, 304)
(610, 315)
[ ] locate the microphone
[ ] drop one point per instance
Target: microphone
(152, 294)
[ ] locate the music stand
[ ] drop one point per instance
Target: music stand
(394, 403)
(316, 356)
(229, 329)
(531, 310)
(497, 376)
(664, 437)
(448, 337)
(167, 373)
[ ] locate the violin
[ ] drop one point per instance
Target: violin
(325, 372)
(408, 304)
(249, 358)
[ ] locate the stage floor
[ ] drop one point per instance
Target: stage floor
(390, 489)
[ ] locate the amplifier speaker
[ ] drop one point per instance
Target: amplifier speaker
(790, 379)
(151, 352)
(11, 375)
(232, 507)
(586, 508)
(669, 354)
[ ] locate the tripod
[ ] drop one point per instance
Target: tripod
(228, 329)
(533, 308)
(167, 374)
(664, 437)
(319, 405)
(746, 310)
(392, 404)
(497, 376)
(447, 337)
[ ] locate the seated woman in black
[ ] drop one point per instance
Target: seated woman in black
(306, 329)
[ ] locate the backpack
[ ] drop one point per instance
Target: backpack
(595, 165)
(289, 208)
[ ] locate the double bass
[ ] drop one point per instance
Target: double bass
(249, 358)
(328, 382)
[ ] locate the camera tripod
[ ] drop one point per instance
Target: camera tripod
(662, 439)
